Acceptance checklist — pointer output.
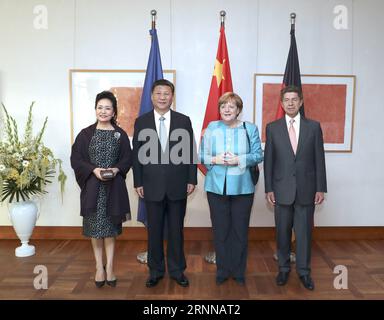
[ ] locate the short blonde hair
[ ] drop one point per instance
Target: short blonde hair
(231, 96)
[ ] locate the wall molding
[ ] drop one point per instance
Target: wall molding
(202, 233)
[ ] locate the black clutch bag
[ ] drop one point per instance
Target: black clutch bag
(255, 172)
(107, 174)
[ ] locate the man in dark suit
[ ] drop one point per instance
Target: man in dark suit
(295, 181)
(165, 173)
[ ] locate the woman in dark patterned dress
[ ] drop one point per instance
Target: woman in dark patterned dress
(104, 202)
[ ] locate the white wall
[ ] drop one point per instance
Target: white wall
(99, 34)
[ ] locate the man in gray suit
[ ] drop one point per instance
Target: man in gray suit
(295, 181)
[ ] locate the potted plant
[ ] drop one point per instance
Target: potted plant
(26, 167)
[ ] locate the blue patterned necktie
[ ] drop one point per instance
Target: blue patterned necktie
(162, 133)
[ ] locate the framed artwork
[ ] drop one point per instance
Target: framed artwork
(328, 99)
(127, 86)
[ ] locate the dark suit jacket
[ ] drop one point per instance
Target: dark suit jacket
(118, 202)
(158, 178)
(294, 178)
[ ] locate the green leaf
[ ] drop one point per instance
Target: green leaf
(40, 135)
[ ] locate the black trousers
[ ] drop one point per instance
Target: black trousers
(300, 218)
(173, 212)
(230, 222)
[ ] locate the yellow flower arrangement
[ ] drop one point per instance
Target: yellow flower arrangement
(26, 166)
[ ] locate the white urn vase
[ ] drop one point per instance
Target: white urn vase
(23, 216)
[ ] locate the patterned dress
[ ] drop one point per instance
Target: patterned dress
(103, 152)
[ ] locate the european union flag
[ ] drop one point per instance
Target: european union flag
(154, 72)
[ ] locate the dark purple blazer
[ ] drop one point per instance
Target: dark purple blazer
(117, 195)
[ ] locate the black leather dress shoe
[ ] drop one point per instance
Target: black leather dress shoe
(240, 281)
(307, 282)
(182, 281)
(153, 281)
(220, 280)
(282, 278)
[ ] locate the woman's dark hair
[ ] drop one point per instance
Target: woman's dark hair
(111, 97)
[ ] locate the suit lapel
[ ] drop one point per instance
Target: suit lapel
(171, 128)
(152, 125)
(285, 135)
(171, 122)
(303, 134)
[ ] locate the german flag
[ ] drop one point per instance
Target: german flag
(292, 73)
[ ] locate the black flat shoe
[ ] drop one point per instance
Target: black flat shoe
(99, 284)
(112, 283)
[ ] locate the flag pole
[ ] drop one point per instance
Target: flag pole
(153, 13)
(293, 236)
(222, 17)
(293, 21)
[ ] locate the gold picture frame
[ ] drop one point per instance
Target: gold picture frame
(127, 85)
(329, 99)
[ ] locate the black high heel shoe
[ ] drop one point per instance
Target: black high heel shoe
(99, 284)
(112, 283)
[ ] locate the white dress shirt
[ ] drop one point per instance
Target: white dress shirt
(296, 125)
(167, 121)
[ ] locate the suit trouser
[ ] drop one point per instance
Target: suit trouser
(230, 222)
(173, 212)
(299, 217)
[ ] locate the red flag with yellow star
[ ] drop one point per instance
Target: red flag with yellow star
(220, 84)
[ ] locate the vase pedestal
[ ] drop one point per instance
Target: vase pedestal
(25, 250)
(23, 215)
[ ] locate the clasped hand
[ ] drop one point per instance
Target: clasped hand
(226, 158)
(97, 173)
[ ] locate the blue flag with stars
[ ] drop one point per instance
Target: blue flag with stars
(154, 72)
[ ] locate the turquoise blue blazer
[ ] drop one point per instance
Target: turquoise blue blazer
(219, 138)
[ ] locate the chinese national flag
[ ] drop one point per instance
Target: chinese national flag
(291, 74)
(220, 84)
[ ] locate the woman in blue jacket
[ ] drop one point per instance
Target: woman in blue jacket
(228, 149)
